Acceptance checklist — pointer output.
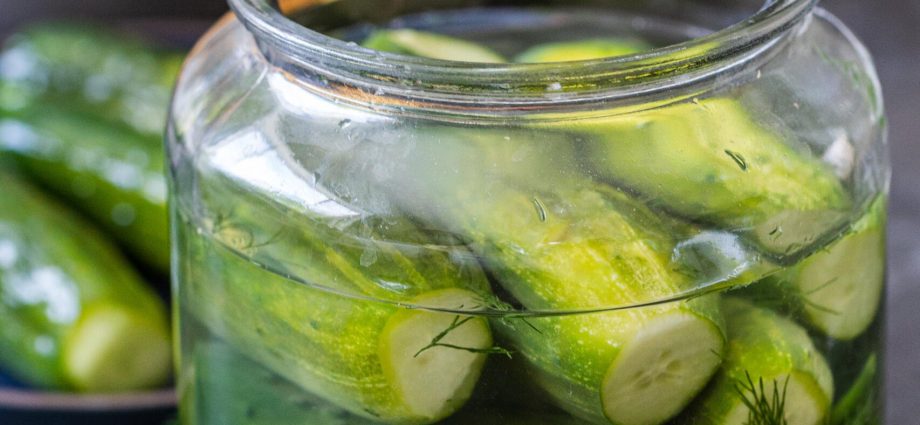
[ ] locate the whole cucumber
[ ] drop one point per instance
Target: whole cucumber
(771, 373)
(323, 310)
(709, 161)
(111, 174)
(838, 289)
(103, 73)
(74, 314)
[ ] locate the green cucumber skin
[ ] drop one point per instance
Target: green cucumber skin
(106, 74)
(715, 165)
(765, 345)
(324, 342)
(52, 246)
(571, 355)
(860, 405)
(113, 175)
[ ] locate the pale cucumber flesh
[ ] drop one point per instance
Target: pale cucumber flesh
(433, 381)
(114, 349)
(661, 369)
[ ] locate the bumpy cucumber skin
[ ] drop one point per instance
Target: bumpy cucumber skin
(762, 345)
(324, 342)
(111, 174)
(105, 74)
(569, 263)
(581, 50)
(56, 267)
(712, 163)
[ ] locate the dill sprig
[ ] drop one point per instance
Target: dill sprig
(494, 303)
(456, 323)
(763, 408)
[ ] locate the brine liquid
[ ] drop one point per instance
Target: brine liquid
(271, 200)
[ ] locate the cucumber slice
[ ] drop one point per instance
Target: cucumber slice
(771, 363)
(430, 45)
(581, 50)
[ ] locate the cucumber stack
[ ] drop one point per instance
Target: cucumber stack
(83, 110)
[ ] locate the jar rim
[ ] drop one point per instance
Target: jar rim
(472, 85)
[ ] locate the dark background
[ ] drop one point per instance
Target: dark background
(889, 28)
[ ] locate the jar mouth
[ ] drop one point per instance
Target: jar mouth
(372, 76)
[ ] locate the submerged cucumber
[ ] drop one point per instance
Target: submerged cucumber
(860, 405)
(837, 289)
(770, 363)
(559, 242)
(709, 161)
(635, 367)
(581, 50)
(74, 315)
(430, 45)
(104, 74)
(367, 356)
(230, 389)
(111, 174)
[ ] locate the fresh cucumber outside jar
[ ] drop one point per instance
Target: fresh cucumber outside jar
(391, 224)
(69, 324)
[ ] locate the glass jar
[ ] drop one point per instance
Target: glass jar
(688, 235)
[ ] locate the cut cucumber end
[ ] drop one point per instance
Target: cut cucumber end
(843, 285)
(662, 369)
(804, 403)
(433, 382)
(111, 349)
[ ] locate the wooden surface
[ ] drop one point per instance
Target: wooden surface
(891, 31)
